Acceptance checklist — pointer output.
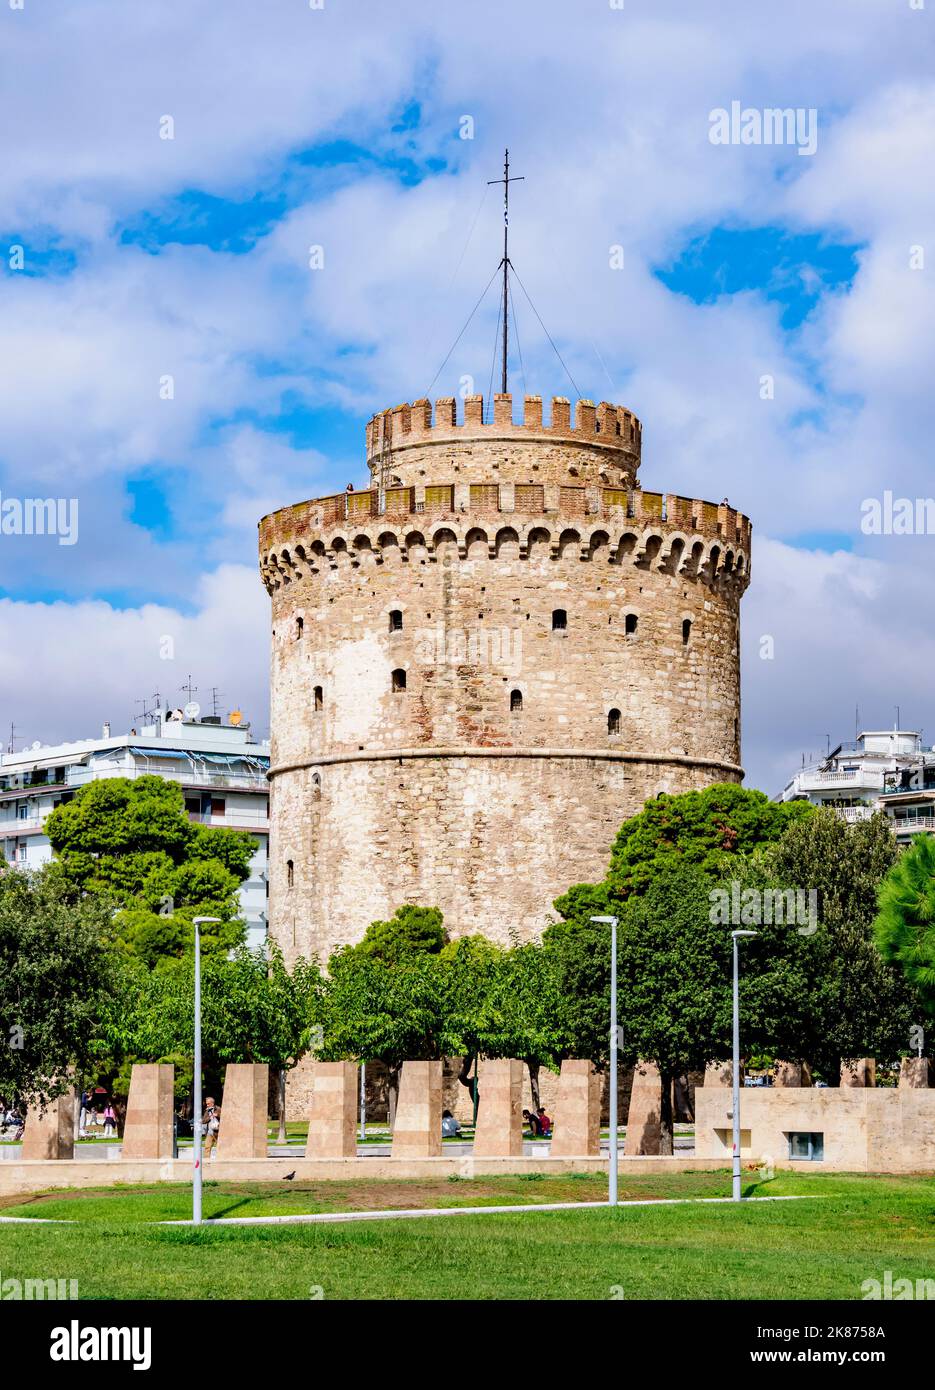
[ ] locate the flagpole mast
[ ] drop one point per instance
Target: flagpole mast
(506, 181)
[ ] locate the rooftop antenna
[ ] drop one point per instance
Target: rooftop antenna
(827, 745)
(189, 687)
(215, 692)
(12, 737)
(897, 720)
(505, 263)
(145, 712)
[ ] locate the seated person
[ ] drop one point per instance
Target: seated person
(533, 1123)
(545, 1124)
(450, 1126)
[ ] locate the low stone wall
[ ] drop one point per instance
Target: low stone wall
(42, 1176)
(864, 1129)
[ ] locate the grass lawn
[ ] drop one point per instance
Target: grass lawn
(856, 1228)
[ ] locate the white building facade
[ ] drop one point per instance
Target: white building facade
(222, 772)
(882, 770)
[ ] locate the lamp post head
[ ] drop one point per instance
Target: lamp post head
(737, 934)
(611, 921)
(200, 921)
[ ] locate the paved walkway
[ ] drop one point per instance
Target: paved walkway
(407, 1212)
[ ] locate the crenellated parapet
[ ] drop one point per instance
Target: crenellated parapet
(410, 439)
(698, 540)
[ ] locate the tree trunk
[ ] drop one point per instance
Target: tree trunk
(666, 1141)
(533, 1083)
(469, 1081)
(392, 1093)
(281, 1138)
(681, 1099)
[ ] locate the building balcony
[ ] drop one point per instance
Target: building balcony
(30, 825)
(811, 781)
(913, 825)
(234, 820)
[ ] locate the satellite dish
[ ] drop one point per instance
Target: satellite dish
(235, 717)
(36, 745)
(192, 709)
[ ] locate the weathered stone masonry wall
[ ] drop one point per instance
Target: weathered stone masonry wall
(501, 771)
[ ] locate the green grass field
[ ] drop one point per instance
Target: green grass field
(855, 1228)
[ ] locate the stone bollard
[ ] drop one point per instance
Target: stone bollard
(577, 1111)
(499, 1132)
(50, 1134)
(859, 1071)
(644, 1116)
(914, 1072)
(332, 1115)
(792, 1074)
(244, 1111)
(148, 1130)
(417, 1132)
(721, 1074)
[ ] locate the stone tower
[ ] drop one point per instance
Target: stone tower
(484, 663)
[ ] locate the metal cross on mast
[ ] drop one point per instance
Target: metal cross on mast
(505, 263)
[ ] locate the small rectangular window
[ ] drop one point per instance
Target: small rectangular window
(807, 1146)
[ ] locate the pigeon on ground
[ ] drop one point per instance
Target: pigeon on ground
(289, 1176)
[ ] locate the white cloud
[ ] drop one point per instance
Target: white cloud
(606, 112)
(87, 663)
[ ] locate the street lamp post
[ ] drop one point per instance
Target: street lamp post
(735, 936)
(612, 1166)
(196, 1112)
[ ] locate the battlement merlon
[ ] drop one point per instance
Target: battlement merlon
(366, 517)
(603, 438)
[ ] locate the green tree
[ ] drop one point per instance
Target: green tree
(674, 980)
(699, 827)
(468, 976)
(55, 980)
(904, 928)
(410, 931)
(530, 1004)
(859, 1003)
(253, 1009)
(131, 843)
(377, 1012)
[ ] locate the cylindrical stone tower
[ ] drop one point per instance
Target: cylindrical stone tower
(484, 663)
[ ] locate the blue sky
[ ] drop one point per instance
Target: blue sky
(187, 259)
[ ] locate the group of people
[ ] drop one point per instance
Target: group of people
(12, 1122)
(540, 1124)
(97, 1113)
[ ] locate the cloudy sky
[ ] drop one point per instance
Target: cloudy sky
(129, 260)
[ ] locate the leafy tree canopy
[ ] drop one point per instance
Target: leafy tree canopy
(130, 841)
(904, 928)
(699, 827)
(410, 931)
(55, 981)
(380, 1012)
(253, 1009)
